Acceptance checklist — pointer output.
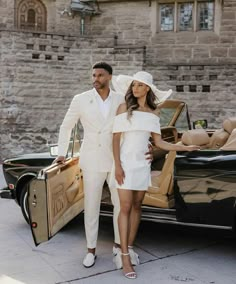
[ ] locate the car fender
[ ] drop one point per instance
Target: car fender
(23, 179)
(234, 225)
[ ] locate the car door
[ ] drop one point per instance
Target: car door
(205, 188)
(56, 195)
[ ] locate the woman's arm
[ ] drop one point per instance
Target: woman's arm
(119, 173)
(172, 147)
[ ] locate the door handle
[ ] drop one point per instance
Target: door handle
(34, 202)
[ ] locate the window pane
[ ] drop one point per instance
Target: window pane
(185, 16)
(167, 17)
(31, 16)
(206, 15)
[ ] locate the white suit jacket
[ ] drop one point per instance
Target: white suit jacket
(96, 149)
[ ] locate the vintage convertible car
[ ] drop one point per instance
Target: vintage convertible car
(188, 188)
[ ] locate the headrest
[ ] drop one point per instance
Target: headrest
(229, 124)
(197, 137)
(218, 139)
(231, 142)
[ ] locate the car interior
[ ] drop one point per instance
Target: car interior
(161, 194)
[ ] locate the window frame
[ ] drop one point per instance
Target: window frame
(160, 24)
(195, 15)
(198, 16)
(22, 8)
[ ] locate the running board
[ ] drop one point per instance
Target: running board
(175, 222)
(167, 219)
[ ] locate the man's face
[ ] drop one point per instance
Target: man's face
(100, 78)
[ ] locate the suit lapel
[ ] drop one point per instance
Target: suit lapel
(95, 107)
(96, 111)
(113, 107)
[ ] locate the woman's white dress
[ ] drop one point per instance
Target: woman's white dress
(136, 132)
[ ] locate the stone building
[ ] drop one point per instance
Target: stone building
(49, 46)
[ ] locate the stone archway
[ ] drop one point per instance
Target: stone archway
(31, 15)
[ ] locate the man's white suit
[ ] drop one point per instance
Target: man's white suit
(96, 157)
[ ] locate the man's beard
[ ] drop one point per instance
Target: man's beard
(98, 85)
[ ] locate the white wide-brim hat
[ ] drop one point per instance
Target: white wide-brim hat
(121, 84)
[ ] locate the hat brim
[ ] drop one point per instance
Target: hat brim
(121, 84)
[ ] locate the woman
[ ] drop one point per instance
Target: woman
(136, 120)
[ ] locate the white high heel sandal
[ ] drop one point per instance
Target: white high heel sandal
(131, 274)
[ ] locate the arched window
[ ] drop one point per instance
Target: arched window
(31, 15)
(31, 18)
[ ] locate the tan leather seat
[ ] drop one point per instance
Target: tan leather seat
(160, 194)
(197, 137)
(231, 142)
(229, 124)
(219, 137)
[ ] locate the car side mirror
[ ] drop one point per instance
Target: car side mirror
(53, 150)
(201, 123)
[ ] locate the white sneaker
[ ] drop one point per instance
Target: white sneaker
(89, 260)
(134, 257)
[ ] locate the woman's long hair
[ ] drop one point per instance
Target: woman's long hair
(132, 101)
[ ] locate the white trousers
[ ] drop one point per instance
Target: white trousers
(93, 186)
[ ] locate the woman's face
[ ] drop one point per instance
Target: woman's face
(139, 89)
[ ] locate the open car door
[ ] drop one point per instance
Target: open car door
(55, 197)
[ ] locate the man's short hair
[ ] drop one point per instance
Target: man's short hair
(103, 65)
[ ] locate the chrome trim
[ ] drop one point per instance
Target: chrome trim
(25, 175)
(188, 224)
(41, 174)
(162, 216)
(20, 168)
(152, 208)
(175, 222)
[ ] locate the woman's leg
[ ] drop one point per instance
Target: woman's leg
(135, 215)
(126, 201)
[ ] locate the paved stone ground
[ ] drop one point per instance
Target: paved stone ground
(169, 254)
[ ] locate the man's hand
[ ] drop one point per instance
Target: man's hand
(149, 154)
(59, 159)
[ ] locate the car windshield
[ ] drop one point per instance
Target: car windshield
(166, 116)
(174, 113)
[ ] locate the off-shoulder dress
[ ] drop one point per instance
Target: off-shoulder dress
(136, 132)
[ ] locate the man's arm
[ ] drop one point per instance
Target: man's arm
(69, 121)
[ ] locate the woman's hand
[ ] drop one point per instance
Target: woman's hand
(119, 175)
(192, 148)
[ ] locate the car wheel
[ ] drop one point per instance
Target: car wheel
(23, 202)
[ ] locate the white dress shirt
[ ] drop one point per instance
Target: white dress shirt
(104, 105)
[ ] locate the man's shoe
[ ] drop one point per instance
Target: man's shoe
(89, 260)
(134, 257)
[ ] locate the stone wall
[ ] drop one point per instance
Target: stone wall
(6, 14)
(209, 90)
(41, 72)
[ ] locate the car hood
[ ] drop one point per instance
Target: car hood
(44, 155)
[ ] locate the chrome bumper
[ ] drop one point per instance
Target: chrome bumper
(6, 193)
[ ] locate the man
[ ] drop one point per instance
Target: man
(96, 110)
